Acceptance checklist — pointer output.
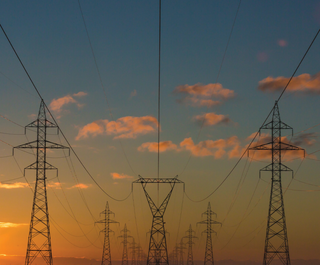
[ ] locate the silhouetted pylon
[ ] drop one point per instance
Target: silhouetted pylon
(181, 249)
(276, 243)
(208, 257)
(39, 239)
(134, 249)
(158, 252)
(106, 253)
(125, 237)
(190, 242)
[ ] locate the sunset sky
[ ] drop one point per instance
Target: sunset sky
(112, 122)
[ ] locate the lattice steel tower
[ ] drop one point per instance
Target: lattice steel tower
(208, 257)
(106, 253)
(276, 243)
(125, 245)
(158, 252)
(190, 242)
(39, 240)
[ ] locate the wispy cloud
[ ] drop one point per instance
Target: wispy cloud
(306, 139)
(210, 119)
(58, 104)
(217, 148)
(200, 95)
(282, 43)
(17, 185)
(80, 186)
(120, 176)
(153, 146)
(304, 84)
(10, 225)
(133, 93)
(54, 185)
(125, 127)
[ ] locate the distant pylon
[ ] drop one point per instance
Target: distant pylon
(39, 239)
(134, 249)
(190, 242)
(208, 257)
(158, 252)
(181, 252)
(276, 243)
(125, 245)
(106, 253)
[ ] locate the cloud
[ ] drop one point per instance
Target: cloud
(304, 84)
(262, 57)
(120, 176)
(54, 185)
(210, 119)
(133, 93)
(57, 105)
(80, 94)
(200, 95)
(80, 186)
(125, 127)
(16, 185)
(10, 225)
(307, 139)
(153, 146)
(282, 43)
(217, 148)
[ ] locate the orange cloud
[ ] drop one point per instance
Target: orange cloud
(282, 43)
(216, 148)
(16, 185)
(94, 128)
(10, 225)
(153, 146)
(56, 105)
(125, 127)
(210, 119)
(120, 176)
(304, 84)
(54, 185)
(80, 186)
(200, 95)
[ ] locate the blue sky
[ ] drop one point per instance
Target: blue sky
(268, 40)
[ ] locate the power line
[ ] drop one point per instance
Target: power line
(217, 78)
(71, 148)
(233, 168)
(103, 87)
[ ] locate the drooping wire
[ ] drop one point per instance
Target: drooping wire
(233, 168)
(216, 81)
(103, 87)
(71, 148)
(159, 83)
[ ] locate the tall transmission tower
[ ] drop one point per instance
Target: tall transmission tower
(158, 252)
(181, 249)
(208, 257)
(276, 242)
(134, 248)
(125, 245)
(39, 239)
(190, 242)
(106, 253)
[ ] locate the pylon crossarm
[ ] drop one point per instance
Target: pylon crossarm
(265, 146)
(286, 146)
(32, 144)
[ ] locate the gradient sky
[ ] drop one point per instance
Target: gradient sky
(114, 129)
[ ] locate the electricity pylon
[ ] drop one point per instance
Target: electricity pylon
(208, 257)
(133, 247)
(276, 242)
(190, 242)
(158, 252)
(106, 253)
(125, 245)
(39, 239)
(181, 252)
